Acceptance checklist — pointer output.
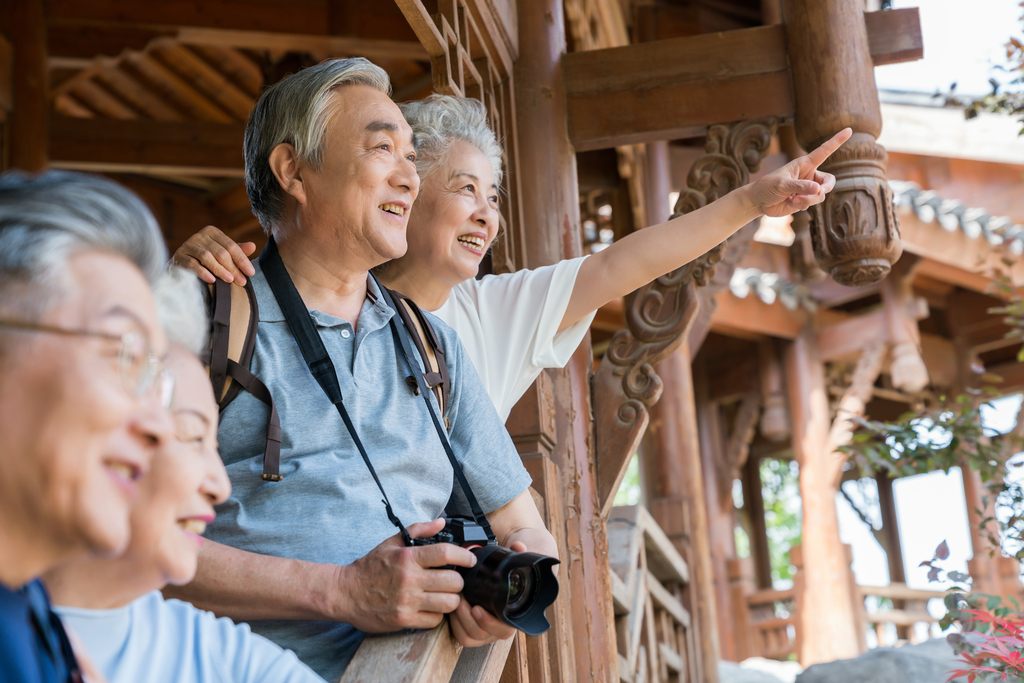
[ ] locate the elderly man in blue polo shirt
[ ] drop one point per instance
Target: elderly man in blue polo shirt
(312, 561)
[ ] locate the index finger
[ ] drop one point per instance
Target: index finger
(818, 156)
(443, 554)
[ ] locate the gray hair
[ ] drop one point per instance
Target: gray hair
(181, 309)
(45, 219)
(440, 120)
(296, 111)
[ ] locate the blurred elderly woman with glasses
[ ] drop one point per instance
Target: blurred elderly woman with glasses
(113, 604)
(83, 395)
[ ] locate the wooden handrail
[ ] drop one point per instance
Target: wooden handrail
(425, 657)
(900, 591)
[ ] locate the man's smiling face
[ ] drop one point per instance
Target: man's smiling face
(364, 190)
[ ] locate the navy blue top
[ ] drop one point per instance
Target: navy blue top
(33, 645)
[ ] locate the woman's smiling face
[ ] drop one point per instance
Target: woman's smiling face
(455, 218)
(185, 481)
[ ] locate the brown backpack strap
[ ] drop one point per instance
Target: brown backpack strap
(236, 316)
(425, 339)
(272, 452)
(220, 333)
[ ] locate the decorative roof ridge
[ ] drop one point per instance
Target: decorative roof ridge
(772, 287)
(952, 215)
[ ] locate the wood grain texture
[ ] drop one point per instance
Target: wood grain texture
(139, 146)
(30, 88)
(418, 657)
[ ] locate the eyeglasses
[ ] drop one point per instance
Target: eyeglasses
(142, 373)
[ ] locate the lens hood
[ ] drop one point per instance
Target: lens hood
(515, 587)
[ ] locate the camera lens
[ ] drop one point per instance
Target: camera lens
(521, 583)
(515, 587)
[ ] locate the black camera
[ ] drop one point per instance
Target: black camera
(515, 587)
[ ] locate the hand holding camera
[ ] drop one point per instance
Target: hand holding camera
(515, 587)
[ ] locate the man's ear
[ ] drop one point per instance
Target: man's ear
(284, 164)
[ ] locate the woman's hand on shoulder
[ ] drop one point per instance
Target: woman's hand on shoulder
(799, 184)
(211, 254)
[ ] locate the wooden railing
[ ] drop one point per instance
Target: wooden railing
(429, 657)
(909, 608)
(649, 577)
(767, 621)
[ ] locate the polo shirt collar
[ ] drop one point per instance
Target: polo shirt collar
(373, 315)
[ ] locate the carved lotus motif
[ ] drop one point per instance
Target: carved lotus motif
(855, 233)
(853, 214)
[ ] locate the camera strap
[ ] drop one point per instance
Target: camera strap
(311, 346)
(315, 354)
(402, 342)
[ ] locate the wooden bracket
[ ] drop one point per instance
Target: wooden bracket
(659, 314)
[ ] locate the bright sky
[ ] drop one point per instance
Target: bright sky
(962, 40)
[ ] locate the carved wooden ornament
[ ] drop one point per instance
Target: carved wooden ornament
(855, 232)
(659, 313)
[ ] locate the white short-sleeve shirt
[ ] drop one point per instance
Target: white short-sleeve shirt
(509, 326)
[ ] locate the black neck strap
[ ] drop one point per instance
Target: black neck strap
(315, 354)
(322, 368)
(403, 342)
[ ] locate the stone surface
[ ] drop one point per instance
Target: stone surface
(929, 662)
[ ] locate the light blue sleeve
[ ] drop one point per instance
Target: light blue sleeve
(244, 657)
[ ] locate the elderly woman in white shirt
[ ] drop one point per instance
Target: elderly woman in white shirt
(113, 605)
(515, 325)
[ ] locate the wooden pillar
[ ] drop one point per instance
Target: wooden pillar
(659, 183)
(721, 518)
(549, 657)
(826, 606)
(891, 528)
(983, 570)
(550, 202)
(893, 545)
(753, 500)
(26, 21)
(678, 499)
(855, 233)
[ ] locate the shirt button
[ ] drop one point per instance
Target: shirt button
(345, 334)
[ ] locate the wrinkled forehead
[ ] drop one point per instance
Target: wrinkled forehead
(359, 110)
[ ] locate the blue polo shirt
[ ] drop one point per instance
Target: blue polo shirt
(327, 508)
(33, 646)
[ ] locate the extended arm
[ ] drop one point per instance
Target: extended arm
(391, 588)
(647, 254)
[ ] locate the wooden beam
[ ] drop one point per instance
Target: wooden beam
(28, 119)
(332, 46)
(266, 15)
(894, 36)
(751, 318)
(6, 77)
(147, 146)
(851, 336)
(675, 88)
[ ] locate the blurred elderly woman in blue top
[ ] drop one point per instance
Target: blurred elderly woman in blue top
(80, 392)
(114, 605)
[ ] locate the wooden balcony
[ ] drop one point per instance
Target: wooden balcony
(768, 625)
(649, 580)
